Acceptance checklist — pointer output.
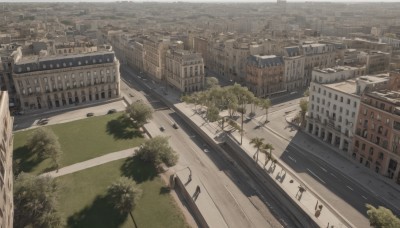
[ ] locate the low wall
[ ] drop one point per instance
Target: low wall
(180, 187)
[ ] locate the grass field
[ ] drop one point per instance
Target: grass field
(80, 140)
(84, 204)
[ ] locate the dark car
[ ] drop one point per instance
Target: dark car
(175, 126)
(162, 128)
(111, 111)
(90, 114)
(43, 121)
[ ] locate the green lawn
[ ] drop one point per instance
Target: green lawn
(80, 140)
(84, 204)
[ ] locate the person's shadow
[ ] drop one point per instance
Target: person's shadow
(196, 193)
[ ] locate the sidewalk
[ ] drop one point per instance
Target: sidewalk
(286, 178)
(375, 183)
(92, 162)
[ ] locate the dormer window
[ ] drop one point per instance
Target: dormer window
(28, 68)
(100, 60)
(108, 59)
(19, 69)
(58, 65)
(94, 61)
(70, 63)
(64, 64)
(79, 63)
(51, 65)
(44, 66)
(87, 62)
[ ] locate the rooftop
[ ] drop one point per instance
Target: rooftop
(348, 86)
(336, 69)
(36, 63)
(374, 78)
(265, 60)
(388, 95)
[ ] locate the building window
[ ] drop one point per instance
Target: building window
(348, 101)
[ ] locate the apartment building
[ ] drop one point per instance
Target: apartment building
(333, 107)
(155, 49)
(6, 172)
(185, 70)
(378, 62)
(294, 68)
(265, 75)
(59, 81)
(377, 139)
(317, 55)
(337, 73)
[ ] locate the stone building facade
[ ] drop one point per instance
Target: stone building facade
(377, 140)
(317, 55)
(59, 81)
(6, 172)
(265, 75)
(334, 106)
(155, 49)
(294, 68)
(185, 70)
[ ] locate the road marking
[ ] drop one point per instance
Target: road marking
(292, 159)
(323, 169)
(333, 175)
(349, 188)
(363, 197)
(316, 176)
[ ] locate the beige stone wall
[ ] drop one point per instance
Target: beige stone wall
(6, 175)
(185, 75)
(58, 88)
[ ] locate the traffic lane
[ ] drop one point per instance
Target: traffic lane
(340, 199)
(342, 194)
(215, 179)
(394, 209)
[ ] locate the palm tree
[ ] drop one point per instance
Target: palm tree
(266, 150)
(257, 143)
(265, 104)
(124, 194)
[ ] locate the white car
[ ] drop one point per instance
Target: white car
(206, 150)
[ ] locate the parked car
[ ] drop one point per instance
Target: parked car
(162, 128)
(174, 125)
(111, 111)
(89, 114)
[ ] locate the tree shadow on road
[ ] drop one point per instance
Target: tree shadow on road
(123, 128)
(99, 214)
(138, 170)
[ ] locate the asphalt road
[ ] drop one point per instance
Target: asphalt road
(229, 187)
(341, 192)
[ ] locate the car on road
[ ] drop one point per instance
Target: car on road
(111, 111)
(89, 114)
(43, 121)
(162, 128)
(206, 150)
(174, 125)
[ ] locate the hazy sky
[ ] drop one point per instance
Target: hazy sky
(201, 0)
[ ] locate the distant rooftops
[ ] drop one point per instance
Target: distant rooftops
(336, 69)
(265, 60)
(348, 86)
(388, 95)
(36, 63)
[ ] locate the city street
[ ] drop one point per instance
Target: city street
(231, 190)
(341, 192)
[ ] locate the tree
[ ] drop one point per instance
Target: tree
(35, 202)
(44, 143)
(267, 150)
(303, 110)
(265, 104)
(211, 82)
(257, 143)
(139, 112)
(212, 114)
(307, 92)
(382, 217)
(157, 151)
(123, 195)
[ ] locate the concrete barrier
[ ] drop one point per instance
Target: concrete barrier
(180, 187)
